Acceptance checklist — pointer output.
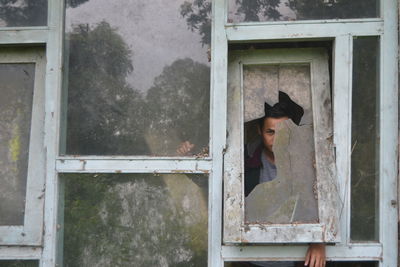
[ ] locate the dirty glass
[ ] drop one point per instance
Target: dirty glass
(19, 263)
(280, 176)
(145, 219)
(365, 140)
(15, 120)
(18, 13)
(137, 77)
(291, 10)
(290, 264)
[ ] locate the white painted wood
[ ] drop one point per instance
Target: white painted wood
(388, 135)
(219, 51)
(235, 229)
(23, 253)
(31, 232)
(342, 97)
(35, 35)
(70, 165)
(254, 31)
(359, 252)
(52, 119)
(311, 21)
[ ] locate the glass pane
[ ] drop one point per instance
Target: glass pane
(15, 121)
(16, 13)
(146, 219)
(365, 140)
(138, 76)
(293, 264)
(280, 175)
(19, 263)
(289, 10)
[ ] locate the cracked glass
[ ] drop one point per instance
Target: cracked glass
(280, 178)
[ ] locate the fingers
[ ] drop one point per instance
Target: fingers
(184, 148)
(315, 256)
(307, 260)
(312, 262)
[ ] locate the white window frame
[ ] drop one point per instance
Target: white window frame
(30, 233)
(341, 32)
(235, 228)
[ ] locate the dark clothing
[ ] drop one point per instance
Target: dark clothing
(258, 169)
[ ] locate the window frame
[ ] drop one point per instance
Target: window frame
(235, 229)
(30, 233)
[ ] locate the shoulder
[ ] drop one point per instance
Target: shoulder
(252, 156)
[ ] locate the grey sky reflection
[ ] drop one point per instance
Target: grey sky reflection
(155, 32)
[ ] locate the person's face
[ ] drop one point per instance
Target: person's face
(268, 131)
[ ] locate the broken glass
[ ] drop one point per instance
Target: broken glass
(289, 194)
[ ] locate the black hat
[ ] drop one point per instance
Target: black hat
(285, 107)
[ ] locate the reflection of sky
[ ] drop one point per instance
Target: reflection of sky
(154, 30)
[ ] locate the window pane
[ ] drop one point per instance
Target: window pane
(19, 263)
(151, 220)
(16, 13)
(365, 140)
(15, 120)
(280, 180)
(138, 77)
(289, 10)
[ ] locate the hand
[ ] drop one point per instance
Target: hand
(184, 148)
(315, 256)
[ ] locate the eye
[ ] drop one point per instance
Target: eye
(270, 132)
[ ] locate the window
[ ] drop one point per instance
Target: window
(106, 93)
(301, 204)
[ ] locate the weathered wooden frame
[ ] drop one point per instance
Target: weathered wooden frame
(235, 228)
(30, 233)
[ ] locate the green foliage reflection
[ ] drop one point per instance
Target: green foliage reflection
(135, 220)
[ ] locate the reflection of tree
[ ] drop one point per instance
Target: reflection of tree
(135, 220)
(23, 12)
(103, 110)
(312, 9)
(17, 13)
(178, 103)
(197, 14)
(252, 9)
(262, 10)
(107, 116)
(75, 3)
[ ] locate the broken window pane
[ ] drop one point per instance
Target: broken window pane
(19, 263)
(17, 13)
(365, 140)
(151, 220)
(290, 10)
(280, 176)
(15, 121)
(138, 77)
